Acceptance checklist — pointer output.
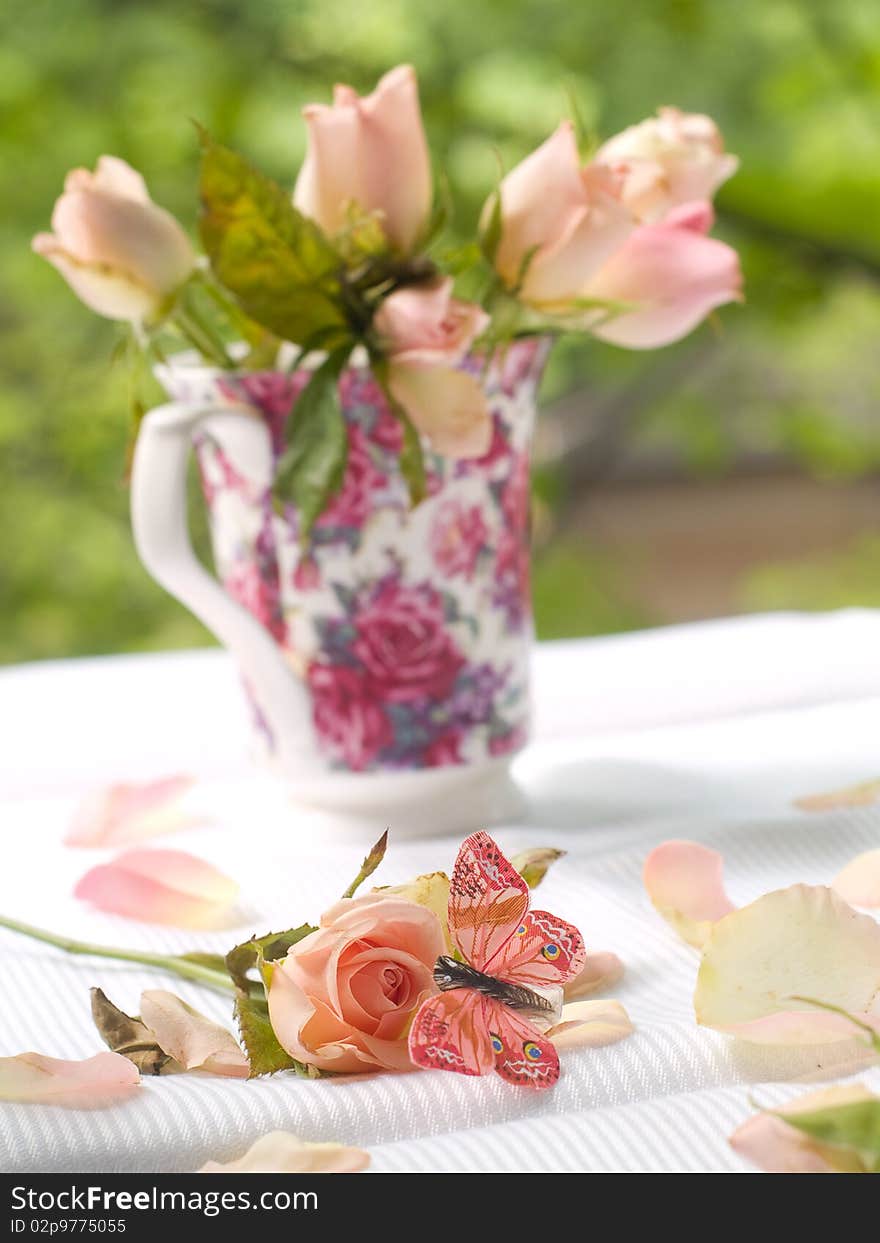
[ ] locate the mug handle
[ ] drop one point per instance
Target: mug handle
(162, 539)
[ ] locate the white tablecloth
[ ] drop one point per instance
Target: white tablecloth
(707, 731)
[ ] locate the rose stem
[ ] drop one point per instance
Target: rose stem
(195, 971)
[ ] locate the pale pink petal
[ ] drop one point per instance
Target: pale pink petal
(591, 1024)
(279, 1152)
(447, 406)
(801, 942)
(160, 887)
(684, 881)
(130, 811)
(769, 1143)
(859, 882)
(90, 1084)
(600, 970)
(863, 795)
(193, 1040)
(672, 276)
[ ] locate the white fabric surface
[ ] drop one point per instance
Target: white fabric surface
(707, 731)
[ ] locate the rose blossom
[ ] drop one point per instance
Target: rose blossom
(403, 644)
(347, 719)
(673, 158)
(343, 998)
(457, 537)
(371, 152)
(559, 222)
(672, 274)
(121, 254)
(425, 333)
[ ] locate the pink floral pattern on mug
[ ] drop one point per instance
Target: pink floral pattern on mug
(410, 627)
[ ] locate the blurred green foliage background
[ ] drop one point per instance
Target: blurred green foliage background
(785, 389)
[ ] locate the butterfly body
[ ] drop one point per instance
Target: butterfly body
(484, 1016)
(449, 974)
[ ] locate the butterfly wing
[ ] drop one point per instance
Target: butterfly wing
(450, 1032)
(522, 1055)
(544, 950)
(487, 900)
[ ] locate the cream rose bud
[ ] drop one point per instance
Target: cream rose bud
(370, 151)
(559, 222)
(426, 333)
(121, 254)
(673, 158)
(343, 997)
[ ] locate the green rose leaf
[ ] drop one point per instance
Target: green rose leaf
(312, 467)
(490, 234)
(259, 950)
(277, 263)
(265, 1054)
(855, 1127)
(412, 458)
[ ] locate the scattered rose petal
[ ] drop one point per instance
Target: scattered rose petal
(279, 1152)
(859, 882)
(130, 811)
(684, 881)
(800, 942)
(769, 1142)
(591, 1024)
(601, 970)
(160, 887)
(90, 1084)
(865, 794)
(533, 864)
(191, 1039)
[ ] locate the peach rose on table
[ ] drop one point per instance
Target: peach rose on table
(426, 334)
(665, 161)
(372, 152)
(343, 998)
(121, 254)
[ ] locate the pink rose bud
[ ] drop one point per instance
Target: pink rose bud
(672, 274)
(560, 222)
(425, 333)
(371, 152)
(673, 158)
(121, 254)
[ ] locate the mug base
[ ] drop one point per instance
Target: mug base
(452, 801)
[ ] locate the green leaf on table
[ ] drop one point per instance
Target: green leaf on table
(265, 1054)
(281, 268)
(312, 467)
(855, 1126)
(126, 1034)
(258, 950)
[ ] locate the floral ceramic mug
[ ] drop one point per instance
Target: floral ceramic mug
(386, 656)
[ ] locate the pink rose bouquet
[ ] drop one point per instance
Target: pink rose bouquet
(616, 247)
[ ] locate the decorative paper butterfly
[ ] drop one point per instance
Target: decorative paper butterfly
(484, 1017)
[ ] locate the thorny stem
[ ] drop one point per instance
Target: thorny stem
(195, 971)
